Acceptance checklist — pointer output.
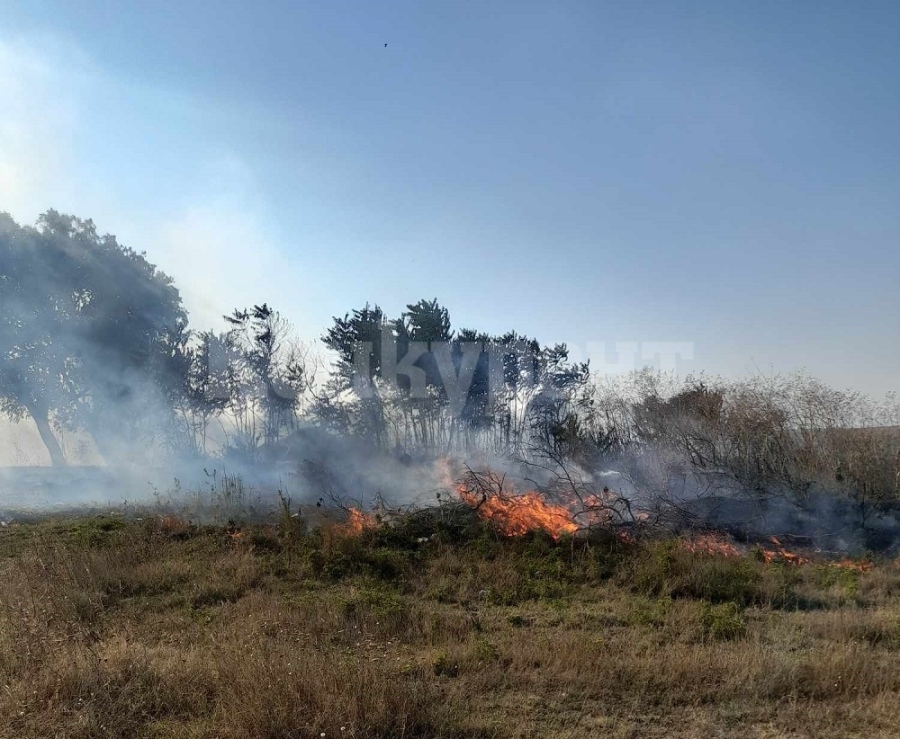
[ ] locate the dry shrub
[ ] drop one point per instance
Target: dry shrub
(106, 692)
(277, 690)
(322, 662)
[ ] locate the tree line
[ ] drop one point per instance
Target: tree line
(94, 337)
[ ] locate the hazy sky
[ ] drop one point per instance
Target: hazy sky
(722, 173)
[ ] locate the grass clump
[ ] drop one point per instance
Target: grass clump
(723, 621)
(668, 569)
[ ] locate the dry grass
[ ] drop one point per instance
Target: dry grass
(160, 629)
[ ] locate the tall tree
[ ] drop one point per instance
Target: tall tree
(269, 365)
(469, 384)
(91, 334)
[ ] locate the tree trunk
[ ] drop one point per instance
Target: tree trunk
(43, 426)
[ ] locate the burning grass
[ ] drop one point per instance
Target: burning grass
(434, 626)
(515, 515)
(511, 512)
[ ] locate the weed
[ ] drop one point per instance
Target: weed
(722, 621)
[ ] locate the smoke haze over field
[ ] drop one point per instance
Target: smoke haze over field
(700, 202)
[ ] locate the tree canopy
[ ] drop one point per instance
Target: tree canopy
(91, 334)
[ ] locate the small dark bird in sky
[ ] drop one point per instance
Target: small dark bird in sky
(385, 46)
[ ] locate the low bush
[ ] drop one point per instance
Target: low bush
(669, 569)
(722, 621)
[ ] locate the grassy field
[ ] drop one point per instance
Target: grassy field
(114, 627)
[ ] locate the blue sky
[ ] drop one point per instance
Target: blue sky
(722, 173)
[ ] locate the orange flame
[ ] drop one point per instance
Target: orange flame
(712, 544)
(357, 522)
(851, 564)
(774, 552)
(780, 554)
(517, 514)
